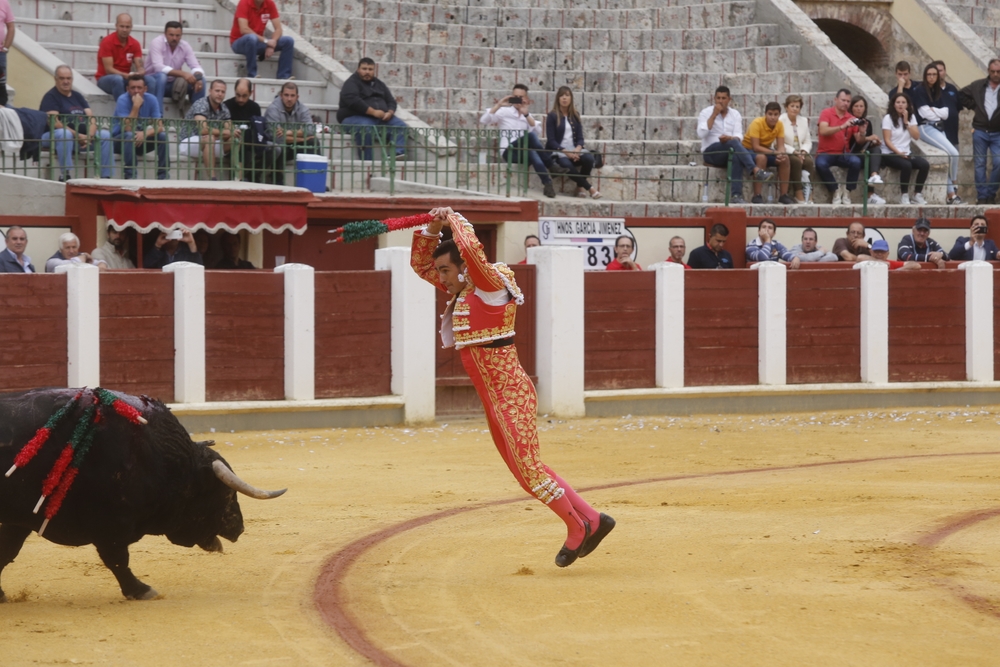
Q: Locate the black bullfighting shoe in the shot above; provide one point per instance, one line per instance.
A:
(567, 556)
(606, 526)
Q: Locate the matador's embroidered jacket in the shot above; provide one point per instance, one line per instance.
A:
(477, 314)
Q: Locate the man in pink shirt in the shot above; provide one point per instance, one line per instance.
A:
(6, 40)
(836, 127)
(168, 54)
(247, 36)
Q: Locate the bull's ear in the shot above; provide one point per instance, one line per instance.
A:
(206, 443)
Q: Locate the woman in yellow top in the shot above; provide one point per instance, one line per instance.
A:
(766, 136)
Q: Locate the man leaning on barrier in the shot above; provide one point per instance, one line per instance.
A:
(140, 128)
(366, 102)
(713, 254)
(66, 138)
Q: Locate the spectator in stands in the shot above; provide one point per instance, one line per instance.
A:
(530, 241)
(766, 136)
(854, 247)
(903, 82)
(712, 255)
(836, 127)
(880, 253)
(291, 123)
(809, 251)
(981, 95)
(7, 29)
(211, 132)
(68, 137)
(798, 145)
(564, 137)
(867, 140)
(721, 131)
(950, 101)
(919, 247)
(120, 55)
(13, 259)
(932, 108)
(366, 102)
(899, 127)
(69, 253)
(519, 131)
(114, 252)
(975, 245)
(140, 129)
(765, 248)
(262, 160)
(176, 246)
(231, 254)
(168, 54)
(677, 250)
(624, 247)
(247, 37)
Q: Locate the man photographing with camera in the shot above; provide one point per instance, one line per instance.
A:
(520, 131)
(976, 245)
(836, 127)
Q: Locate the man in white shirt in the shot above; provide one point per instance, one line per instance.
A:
(168, 54)
(520, 131)
(721, 130)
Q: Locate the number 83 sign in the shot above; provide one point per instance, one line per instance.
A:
(596, 236)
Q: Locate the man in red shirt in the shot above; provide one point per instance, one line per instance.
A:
(247, 37)
(623, 256)
(836, 127)
(677, 250)
(118, 56)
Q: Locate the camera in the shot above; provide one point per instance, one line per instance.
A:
(174, 235)
(979, 229)
(516, 99)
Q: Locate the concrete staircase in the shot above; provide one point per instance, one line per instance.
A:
(983, 16)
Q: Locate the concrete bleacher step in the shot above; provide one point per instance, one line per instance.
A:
(203, 40)
(145, 13)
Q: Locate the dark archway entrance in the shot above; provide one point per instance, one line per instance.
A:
(863, 48)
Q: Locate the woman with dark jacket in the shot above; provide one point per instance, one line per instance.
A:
(564, 137)
(867, 140)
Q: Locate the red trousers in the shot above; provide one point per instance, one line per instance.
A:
(511, 405)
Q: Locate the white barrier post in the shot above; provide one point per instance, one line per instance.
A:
(874, 321)
(669, 324)
(771, 322)
(300, 331)
(83, 324)
(413, 336)
(189, 331)
(978, 320)
(559, 329)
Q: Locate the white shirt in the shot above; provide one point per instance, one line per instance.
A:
(509, 118)
(731, 124)
(978, 249)
(899, 135)
(990, 100)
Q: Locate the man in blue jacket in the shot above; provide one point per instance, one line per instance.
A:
(13, 259)
(976, 245)
(137, 132)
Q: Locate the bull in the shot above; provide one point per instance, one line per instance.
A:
(135, 480)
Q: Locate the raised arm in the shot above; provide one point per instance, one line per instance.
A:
(484, 275)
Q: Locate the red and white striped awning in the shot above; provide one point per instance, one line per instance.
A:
(147, 216)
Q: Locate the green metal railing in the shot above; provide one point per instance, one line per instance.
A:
(79, 147)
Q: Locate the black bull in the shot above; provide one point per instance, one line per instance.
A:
(136, 480)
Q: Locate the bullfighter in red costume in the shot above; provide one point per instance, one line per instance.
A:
(479, 322)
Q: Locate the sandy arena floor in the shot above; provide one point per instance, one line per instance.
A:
(827, 539)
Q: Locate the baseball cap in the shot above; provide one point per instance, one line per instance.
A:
(880, 244)
(922, 223)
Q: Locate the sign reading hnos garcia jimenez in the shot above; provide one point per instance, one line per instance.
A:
(595, 235)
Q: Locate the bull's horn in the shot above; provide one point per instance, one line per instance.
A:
(229, 478)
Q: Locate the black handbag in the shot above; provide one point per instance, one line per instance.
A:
(598, 159)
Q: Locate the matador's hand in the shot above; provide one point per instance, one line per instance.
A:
(441, 215)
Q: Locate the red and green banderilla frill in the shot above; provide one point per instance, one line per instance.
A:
(353, 232)
(64, 471)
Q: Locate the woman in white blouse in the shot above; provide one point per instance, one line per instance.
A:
(899, 128)
(798, 144)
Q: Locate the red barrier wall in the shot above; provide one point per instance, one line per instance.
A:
(720, 327)
(137, 332)
(33, 336)
(353, 319)
(244, 336)
(926, 326)
(619, 325)
(823, 327)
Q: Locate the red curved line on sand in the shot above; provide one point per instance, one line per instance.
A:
(330, 597)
